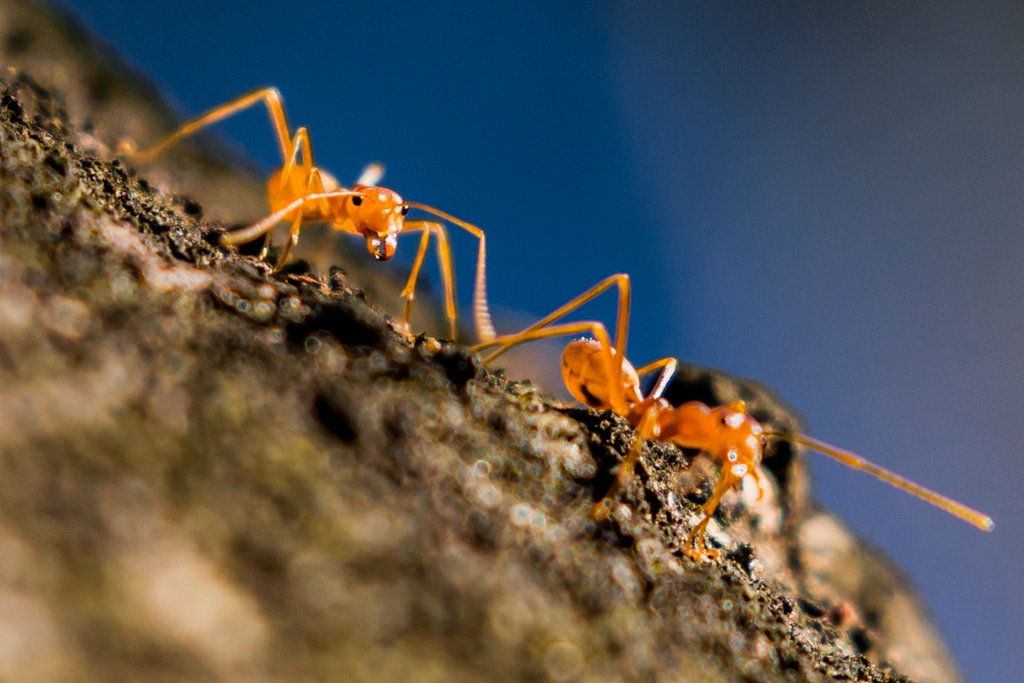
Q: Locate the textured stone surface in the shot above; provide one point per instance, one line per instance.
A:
(213, 473)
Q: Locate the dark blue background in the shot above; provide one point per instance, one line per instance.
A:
(825, 197)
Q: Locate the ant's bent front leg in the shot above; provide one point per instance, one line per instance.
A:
(444, 258)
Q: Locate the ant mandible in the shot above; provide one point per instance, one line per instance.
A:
(301, 192)
(598, 375)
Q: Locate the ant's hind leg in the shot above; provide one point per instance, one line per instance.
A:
(270, 96)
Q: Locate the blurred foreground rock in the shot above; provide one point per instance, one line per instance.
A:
(208, 472)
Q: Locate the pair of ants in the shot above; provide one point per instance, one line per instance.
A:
(595, 370)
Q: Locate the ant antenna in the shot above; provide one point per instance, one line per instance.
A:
(969, 515)
(481, 311)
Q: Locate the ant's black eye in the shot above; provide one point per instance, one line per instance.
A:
(405, 209)
(357, 200)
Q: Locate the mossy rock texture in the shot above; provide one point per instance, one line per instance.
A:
(213, 472)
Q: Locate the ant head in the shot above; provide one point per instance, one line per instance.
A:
(378, 214)
(586, 376)
(740, 438)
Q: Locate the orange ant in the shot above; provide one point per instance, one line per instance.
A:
(301, 192)
(598, 374)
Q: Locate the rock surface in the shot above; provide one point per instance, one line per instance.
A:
(214, 473)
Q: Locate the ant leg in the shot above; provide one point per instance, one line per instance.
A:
(613, 356)
(444, 257)
(314, 188)
(621, 317)
(261, 227)
(508, 341)
(481, 309)
(759, 480)
(627, 467)
(293, 239)
(693, 546)
(668, 366)
(300, 144)
(270, 96)
(266, 245)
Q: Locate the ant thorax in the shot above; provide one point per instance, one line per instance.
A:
(740, 440)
